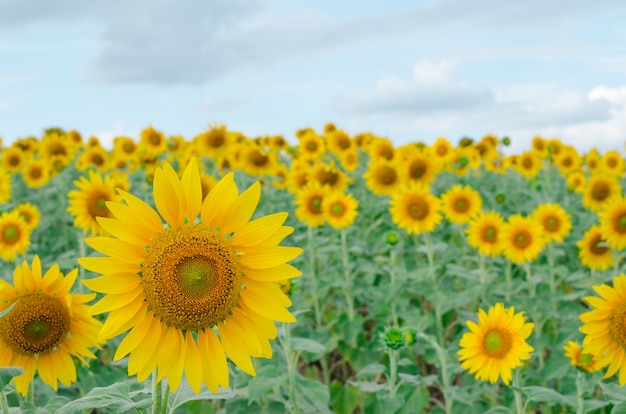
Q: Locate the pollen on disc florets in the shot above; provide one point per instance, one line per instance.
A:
(36, 324)
(191, 277)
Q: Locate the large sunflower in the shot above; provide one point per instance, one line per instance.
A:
(14, 235)
(604, 327)
(413, 208)
(208, 271)
(89, 201)
(599, 190)
(522, 239)
(484, 233)
(593, 251)
(496, 344)
(46, 325)
(461, 203)
(613, 222)
(555, 221)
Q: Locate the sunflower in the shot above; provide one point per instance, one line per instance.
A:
(592, 161)
(309, 204)
(280, 174)
(89, 201)
(381, 149)
(13, 159)
(484, 233)
(540, 147)
(464, 159)
(14, 235)
(604, 327)
(36, 173)
(55, 145)
(442, 150)
(612, 163)
(599, 190)
(579, 358)
(30, 214)
(382, 177)
(613, 222)
(152, 141)
(528, 164)
(125, 147)
(329, 176)
(576, 181)
(461, 203)
(496, 344)
(208, 271)
(5, 186)
(419, 167)
(214, 142)
(555, 221)
(46, 325)
(522, 239)
(92, 156)
(338, 141)
(298, 176)
(256, 161)
(554, 147)
(311, 145)
(593, 250)
(349, 159)
(568, 161)
(340, 209)
(413, 208)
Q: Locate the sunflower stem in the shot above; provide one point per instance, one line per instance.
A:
(347, 285)
(433, 276)
(529, 278)
(509, 279)
(580, 405)
(30, 395)
(313, 278)
(157, 396)
(291, 367)
(393, 371)
(552, 278)
(519, 403)
(392, 278)
(4, 403)
(166, 397)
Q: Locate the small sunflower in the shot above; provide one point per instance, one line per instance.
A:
(13, 159)
(612, 163)
(36, 173)
(604, 327)
(256, 161)
(311, 145)
(599, 190)
(419, 168)
(30, 214)
(593, 250)
(528, 164)
(349, 159)
(539, 146)
(442, 150)
(413, 208)
(309, 204)
(381, 149)
(592, 161)
(46, 326)
(338, 141)
(329, 176)
(555, 221)
(209, 271)
(576, 181)
(152, 141)
(214, 142)
(340, 209)
(579, 358)
(92, 156)
(382, 177)
(568, 161)
(484, 233)
(14, 235)
(522, 239)
(613, 222)
(461, 203)
(496, 344)
(125, 147)
(89, 201)
(280, 175)
(5, 185)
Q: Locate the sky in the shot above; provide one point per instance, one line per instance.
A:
(406, 70)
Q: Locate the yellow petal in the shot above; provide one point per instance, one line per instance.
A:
(258, 230)
(193, 364)
(219, 200)
(215, 354)
(168, 194)
(118, 249)
(124, 231)
(272, 274)
(269, 310)
(114, 283)
(107, 265)
(141, 212)
(192, 190)
(137, 335)
(242, 209)
(264, 257)
(111, 302)
(235, 349)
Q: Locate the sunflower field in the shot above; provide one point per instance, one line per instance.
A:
(334, 273)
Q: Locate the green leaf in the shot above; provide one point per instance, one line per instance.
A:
(266, 380)
(613, 392)
(308, 345)
(371, 370)
(499, 410)
(367, 386)
(185, 394)
(313, 396)
(343, 399)
(541, 394)
(619, 408)
(7, 374)
(114, 398)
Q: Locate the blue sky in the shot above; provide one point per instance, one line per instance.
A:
(407, 70)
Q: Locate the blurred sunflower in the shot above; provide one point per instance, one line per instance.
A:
(579, 358)
(5, 185)
(95, 156)
(413, 208)
(461, 203)
(14, 235)
(442, 150)
(36, 173)
(593, 250)
(381, 149)
(613, 222)
(338, 141)
(340, 209)
(256, 161)
(604, 327)
(576, 181)
(183, 283)
(612, 163)
(298, 176)
(599, 190)
(496, 344)
(13, 159)
(55, 145)
(522, 239)
(152, 141)
(484, 233)
(214, 142)
(568, 161)
(311, 145)
(329, 176)
(419, 167)
(349, 159)
(125, 147)
(90, 201)
(554, 220)
(539, 147)
(592, 161)
(280, 175)
(463, 160)
(309, 204)
(382, 177)
(45, 326)
(30, 214)
(554, 147)
(528, 164)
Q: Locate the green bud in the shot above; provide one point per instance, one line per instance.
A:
(393, 338)
(392, 238)
(410, 336)
(506, 141)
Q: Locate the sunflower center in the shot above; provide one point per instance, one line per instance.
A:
(386, 175)
(490, 234)
(36, 324)
(96, 205)
(386, 153)
(617, 324)
(14, 161)
(567, 162)
(463, 161)
(129, 148)
(586, 359)
(311, 146)
(96, 159)
(442, 150)
(522, 239)
(26, 217)
(461, 206)
(612, 162)
(597, 247)
(328, 177)
(258, 159)
(500, 198)
(192, 277)
(337, 209)
(216, 140)
(527, 163)
(155, 139)
(35, 173)
(497, 343)
(418, 208)
(552, 224)
(600, 191)
(10, 234)
(621, 224)
(417, 170)
(316, 205)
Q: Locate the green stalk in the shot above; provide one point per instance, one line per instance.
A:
(392, 278)
(4, 403)
(291, 367)
(433, 276)
(312, 269)
(347, 285)
(519, 403)
(509, 279)
(481, 267)
(393, 371)
(157, 394)
(580, 406)
(529, 277)
(166, 397)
